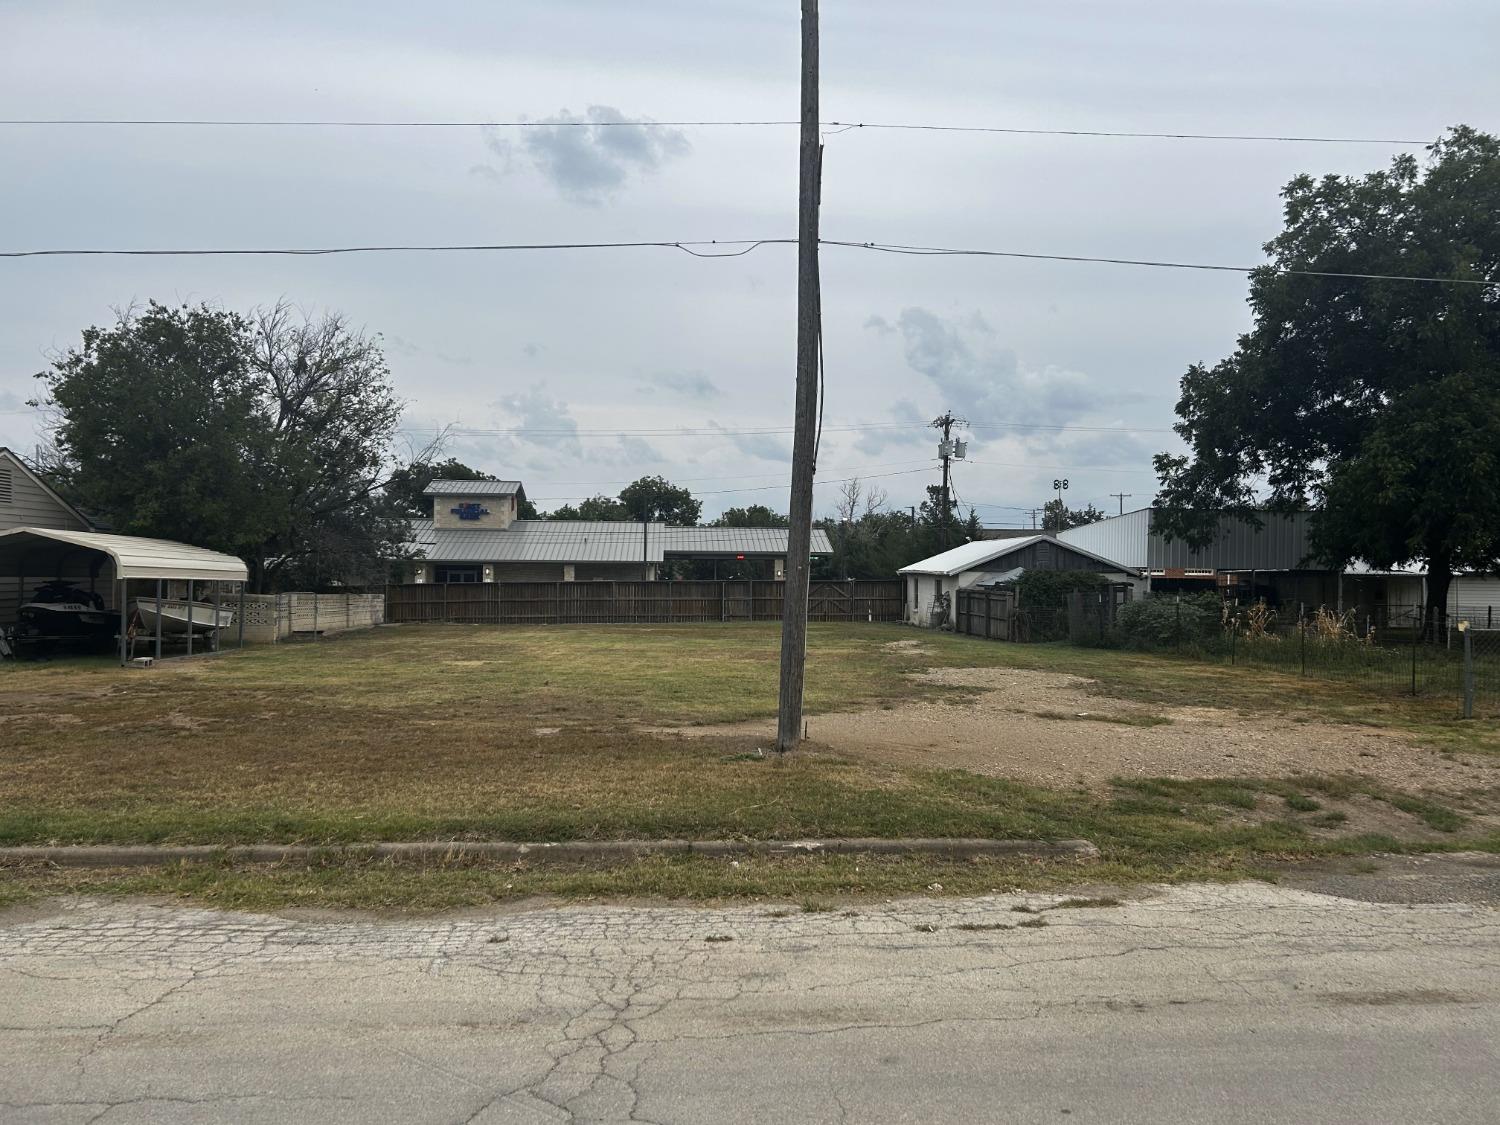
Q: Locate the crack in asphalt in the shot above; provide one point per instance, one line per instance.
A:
(600, 1002)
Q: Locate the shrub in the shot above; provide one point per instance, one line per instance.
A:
(1050, 588)
(1195, 620)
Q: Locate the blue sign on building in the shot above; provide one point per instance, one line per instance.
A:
(470, 510)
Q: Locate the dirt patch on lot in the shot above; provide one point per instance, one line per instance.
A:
(1048, 727)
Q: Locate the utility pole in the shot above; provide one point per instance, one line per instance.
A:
(799, 509)
(948, 451)
(1122, 497)
(1034, 512)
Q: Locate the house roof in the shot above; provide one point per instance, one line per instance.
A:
(737, 541)
(550, 541)
(15, 459)
(981, 552)
(473, 488)
(133, 557)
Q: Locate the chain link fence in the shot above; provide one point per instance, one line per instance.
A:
(1391, 649)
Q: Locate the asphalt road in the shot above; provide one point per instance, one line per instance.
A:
(1244, 1003)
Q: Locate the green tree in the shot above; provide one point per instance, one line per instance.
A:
(1057, 516)
(661, 500)
(1426, 484)
(755, 515)
(162, 427)
(1348, 390)
(404, 490)
(265, 436)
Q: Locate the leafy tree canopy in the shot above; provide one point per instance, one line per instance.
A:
(655, 497)
(264, 436)
(406, 485)
(1355, 396)
(755, 515)
(660, 499)
(1057, 516)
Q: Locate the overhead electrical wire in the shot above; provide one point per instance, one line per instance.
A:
(765, 487)
(718, 431)
(689, 246)
(842, 126)
(744, 246)
(969, 252)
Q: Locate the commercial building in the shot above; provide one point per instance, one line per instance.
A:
(475, 536)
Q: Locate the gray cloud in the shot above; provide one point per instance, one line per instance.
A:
(548, 419)
(588, 157)
(398, 346)
(9, 401)
(907, 436)
(985, 382)
(761, 447)
(687, 384)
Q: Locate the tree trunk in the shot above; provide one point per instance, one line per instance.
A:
(1439, 579)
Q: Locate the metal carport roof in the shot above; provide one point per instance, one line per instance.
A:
(133, 557)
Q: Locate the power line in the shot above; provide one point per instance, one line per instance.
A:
(744, 246)
(690, 247)
(845, 126)
(766, 487)
(926, 461)
(1058, 468)
(944, 251)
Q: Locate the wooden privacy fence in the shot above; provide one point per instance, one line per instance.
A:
(607, 603)
(275, 617)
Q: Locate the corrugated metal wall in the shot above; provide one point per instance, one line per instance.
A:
(1121, 538)
(1280, 543)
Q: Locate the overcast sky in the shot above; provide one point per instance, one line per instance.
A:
(574, 343)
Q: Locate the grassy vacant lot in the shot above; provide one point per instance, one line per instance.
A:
(540, 734)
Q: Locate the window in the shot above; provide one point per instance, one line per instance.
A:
(458, 574)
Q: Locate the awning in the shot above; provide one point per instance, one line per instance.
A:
(41, 549)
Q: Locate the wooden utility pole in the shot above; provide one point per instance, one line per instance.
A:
(1122, 497)
(799, 535)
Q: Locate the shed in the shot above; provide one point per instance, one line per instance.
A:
(989, 561)
(109, 565)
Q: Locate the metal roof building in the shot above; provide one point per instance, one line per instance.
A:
(986, 562)
(476, 535)
(1036, 551)
(560, 541)
(474, 488)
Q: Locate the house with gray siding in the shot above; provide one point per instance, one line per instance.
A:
(26, 500)
(475, 536)
(986, 562)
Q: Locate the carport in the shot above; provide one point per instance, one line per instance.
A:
(48, 553)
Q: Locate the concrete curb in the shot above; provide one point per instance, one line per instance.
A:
(573, 851)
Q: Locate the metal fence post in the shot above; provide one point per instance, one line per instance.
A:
(1177, 632)
(1468, 670)
(190, 617)
(1233, 639)
(241, 643)
(315, 611)
(1302, 642)
(1416, 640)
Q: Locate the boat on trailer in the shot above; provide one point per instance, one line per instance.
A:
(63, 616)
(179, 616)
